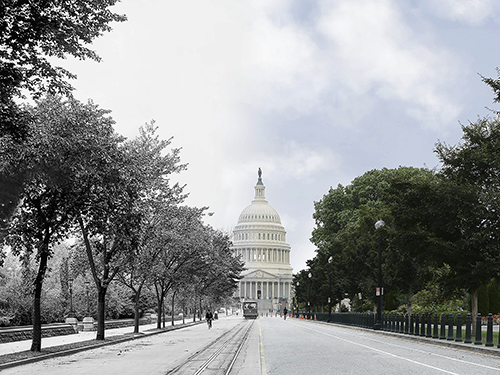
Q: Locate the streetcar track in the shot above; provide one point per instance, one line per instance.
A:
(222, 342)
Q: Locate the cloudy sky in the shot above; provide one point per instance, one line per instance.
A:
(314, 92)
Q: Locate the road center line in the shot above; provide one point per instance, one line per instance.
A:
(263, 369)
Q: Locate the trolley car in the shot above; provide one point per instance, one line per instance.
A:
(250, 309)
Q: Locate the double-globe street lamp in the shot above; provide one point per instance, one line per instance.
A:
(378, 324)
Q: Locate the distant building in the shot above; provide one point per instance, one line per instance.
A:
(259, 239)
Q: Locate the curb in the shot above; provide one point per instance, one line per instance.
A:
(96, 345)
(439, 342)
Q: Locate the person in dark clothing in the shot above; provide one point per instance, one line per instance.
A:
(209, 317)
(285, 311)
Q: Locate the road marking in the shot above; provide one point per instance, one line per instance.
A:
(381, 351)
(438, 355)
(263, 369)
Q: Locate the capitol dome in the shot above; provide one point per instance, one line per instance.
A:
(259, 239)
(259, 211)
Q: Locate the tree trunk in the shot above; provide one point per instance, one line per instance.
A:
(473, 298)
(101, 313)
(36, 344)
(160, 310)
(408, 300)
(164, 312)
(173, 305)
(136, 310)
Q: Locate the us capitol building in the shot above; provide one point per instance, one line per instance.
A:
(260, 240)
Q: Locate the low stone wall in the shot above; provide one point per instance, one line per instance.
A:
(10, 334)
(25, 333)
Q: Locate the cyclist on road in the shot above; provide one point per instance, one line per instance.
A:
(285, 311)
(209, 317)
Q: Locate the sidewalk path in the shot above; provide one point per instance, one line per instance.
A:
(47, 342)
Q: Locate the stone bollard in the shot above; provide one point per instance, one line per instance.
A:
(429, 325)
(435, 331)
(489, 331)
(443, 327)
(450, 327)
(73, 321)
(88, 323)
(468, 328)
(458, 338)
(479, 333)
(417, 325)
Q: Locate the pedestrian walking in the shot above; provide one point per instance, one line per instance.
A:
(285, 311)
(209, 317)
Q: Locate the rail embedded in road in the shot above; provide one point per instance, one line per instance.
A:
(220, 354)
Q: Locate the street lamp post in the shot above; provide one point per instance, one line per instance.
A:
(330, 295)
(296, 299)
(71, 312)
(378, 325)
(309, 298)
(87, 284)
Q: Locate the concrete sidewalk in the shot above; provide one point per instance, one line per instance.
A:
(47, 342)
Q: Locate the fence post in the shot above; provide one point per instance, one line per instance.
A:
(479, 333)
(398, 323)
(429, 325)
(417, 325)
(407, 320)
(450, 327)
(489, 331)
(459, 328)
(443, 327)
(422, 328)
(435, 332)
(411, 324)
(468, 326)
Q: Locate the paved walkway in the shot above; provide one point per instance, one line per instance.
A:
(19, 346)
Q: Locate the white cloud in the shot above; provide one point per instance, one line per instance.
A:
(379, 53)
(472, 12)
(354, 49)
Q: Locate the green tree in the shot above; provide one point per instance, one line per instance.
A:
(474, 164)
(421, 213)
(57, 156)
(494, 296)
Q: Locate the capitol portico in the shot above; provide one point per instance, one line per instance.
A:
(259, 239)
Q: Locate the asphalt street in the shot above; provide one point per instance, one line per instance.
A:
(274, 347)
(294, 347)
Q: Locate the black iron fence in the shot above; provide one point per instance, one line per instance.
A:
(452, 327)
